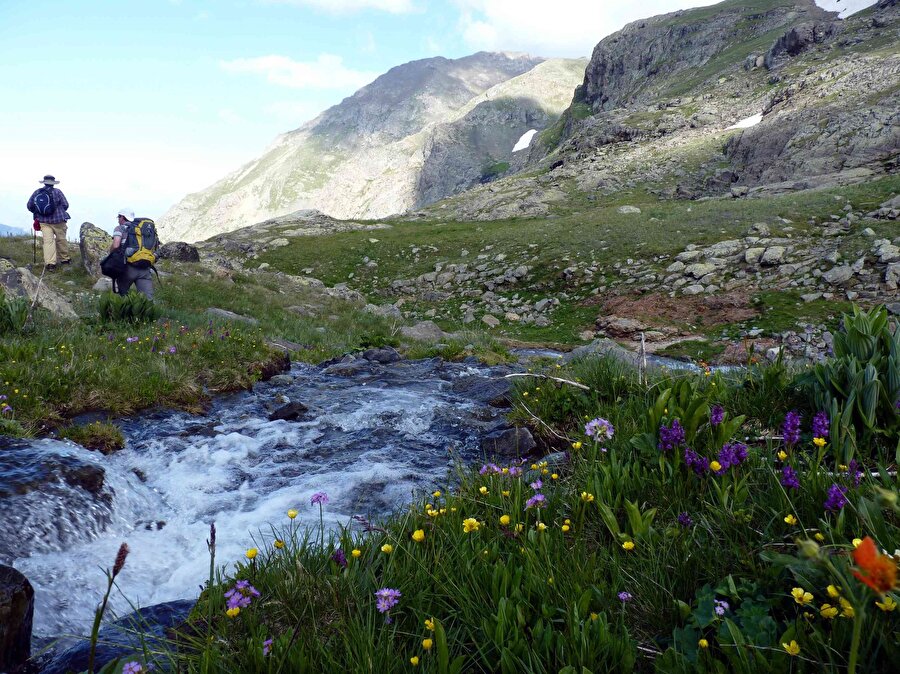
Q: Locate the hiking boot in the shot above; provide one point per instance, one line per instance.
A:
(66, 262)
(51, 267)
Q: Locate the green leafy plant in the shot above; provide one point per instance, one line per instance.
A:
(860, 386)
(131, 308)
(13, 314)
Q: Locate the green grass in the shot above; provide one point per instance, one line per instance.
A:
(693, 350)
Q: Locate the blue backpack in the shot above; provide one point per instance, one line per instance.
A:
(45, 202)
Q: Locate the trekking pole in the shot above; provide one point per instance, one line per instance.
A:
(33, 247)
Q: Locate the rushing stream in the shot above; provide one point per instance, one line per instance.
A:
(373, 435)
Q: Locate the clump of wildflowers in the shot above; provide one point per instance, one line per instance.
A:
(625, 597)
(820, 425)
(671, 436)
(699, 464)
(836, 498)
(536, 501)
(319, 498)
(721, 606)
(732, 454)
(267, 647)
(684, 519)
(717, 415)
(240, 595)
(132, 668)
(387, 599)
(599, 429)
(791, 428)
(339, 558)
(789, 478)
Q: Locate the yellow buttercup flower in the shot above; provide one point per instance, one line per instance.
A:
(232, 612)
(554, 476)
(483, 490)
(504, 520)
(534, 466)
(833, 591)
(628, 545)
(576, 445)
(414, 661)
(887, 605)
(387, 548)
(587, 497)
(857, 542)
(427, 644)
(356, 552)
(292, 513)
(846, 608)
(505, 492)
(594, 616)
(429, 624)
(470, 524)
(819, 537)
(790, 519)
(843, 467)
(541, 526)
(782, 455)
(278, 544)
(828, 611)
(801, 596)
(544, 471)
(251, 553)
(703, 643)
(565, 528)
(520, 526)
(418, 535)
(792, 648)
(437, 494)
(715, 466)
(819, 442)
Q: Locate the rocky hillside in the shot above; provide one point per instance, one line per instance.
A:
(418, 133)
(817, 98)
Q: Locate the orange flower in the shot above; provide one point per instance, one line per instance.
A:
(879, 571)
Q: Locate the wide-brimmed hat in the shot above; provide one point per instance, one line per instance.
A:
(50, 180)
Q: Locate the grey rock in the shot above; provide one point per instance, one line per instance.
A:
(384, 310)
(179, 251)
(490, 321)
(753, 255)
(811, 297)
(103, 284)
(425, 331)
(892, 275)
(94, 244)
(838, 275)
(759, 229)
(676, 266)
(19, 282)
(700, 269)
(723, 249)
(224, 314)
(16, 615)
(383, 355)
(695, 289)
(773, 256)
(628, 209)
(487, 390)
(510, 442)
(293, 411)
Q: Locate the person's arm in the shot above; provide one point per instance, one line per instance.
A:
(65, 202)
(117, 239)
(30, 205)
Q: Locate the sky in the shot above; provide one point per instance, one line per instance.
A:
(139, 102)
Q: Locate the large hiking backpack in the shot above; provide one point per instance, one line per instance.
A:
(141, 243)
(45, 202)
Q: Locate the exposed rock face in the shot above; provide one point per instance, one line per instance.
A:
(16, 614)
(94, 244)
(798, 39)
(508, 442)
(632, 63)
(420, 132)
(22, 283)
(179, 251)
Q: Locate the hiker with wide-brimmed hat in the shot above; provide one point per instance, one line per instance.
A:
(49, 205)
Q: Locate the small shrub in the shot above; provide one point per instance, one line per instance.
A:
(102, 437)
(131, 308)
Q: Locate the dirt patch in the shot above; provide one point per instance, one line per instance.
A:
(690, 310)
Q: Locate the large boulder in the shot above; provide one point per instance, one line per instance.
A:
(425, 331)
(179, 251)
(508, 442)
(19, 282)
(94, 244)
(16, 614)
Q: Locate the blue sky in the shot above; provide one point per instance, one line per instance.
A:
(138, 102)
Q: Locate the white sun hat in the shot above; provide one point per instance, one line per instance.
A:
(127, 213)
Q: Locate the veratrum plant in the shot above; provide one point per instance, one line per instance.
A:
(860, 385)
(132, 308)
(13, 314)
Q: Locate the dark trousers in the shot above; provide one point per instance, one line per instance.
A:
(139, 278)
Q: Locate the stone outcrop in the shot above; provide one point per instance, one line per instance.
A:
(19, 282)
(94, 244)
(16, 614)
(179, 251)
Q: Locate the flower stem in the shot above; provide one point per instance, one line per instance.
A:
(854, 645)
(95, 630)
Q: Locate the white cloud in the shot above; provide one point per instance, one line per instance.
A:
(347, 6)
(560, 28)
(326, 72)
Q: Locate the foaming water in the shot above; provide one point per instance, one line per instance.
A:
(369, 441)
